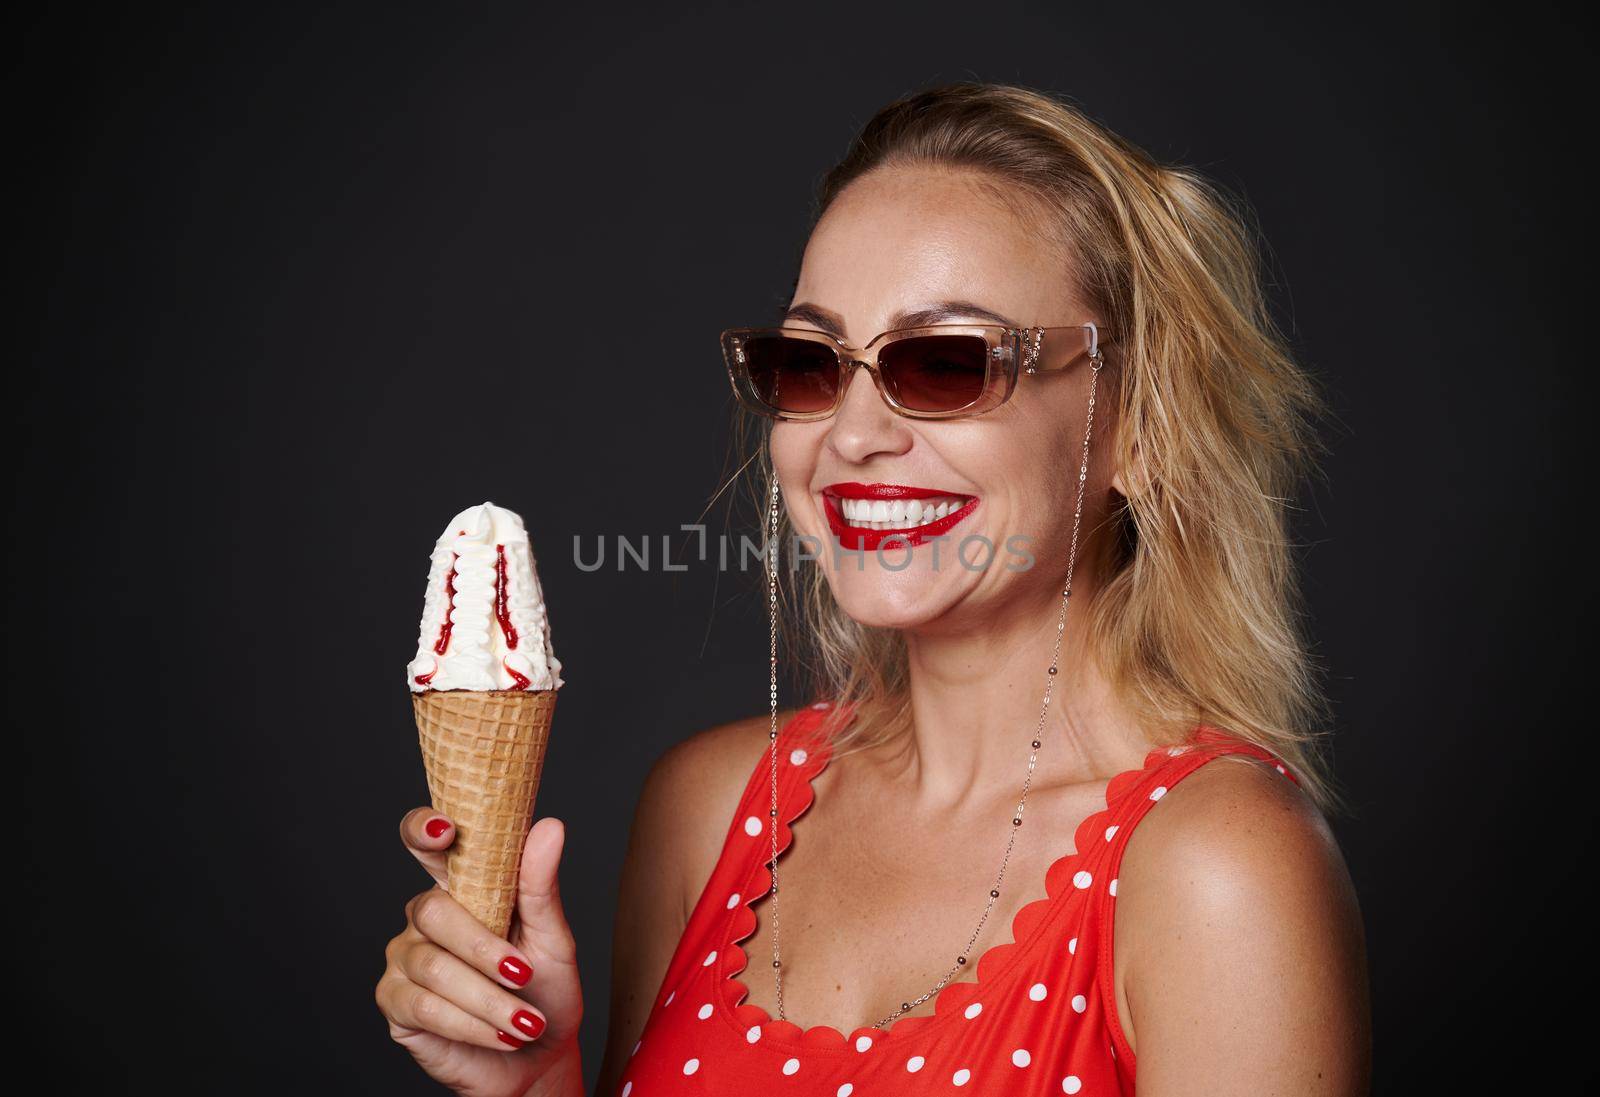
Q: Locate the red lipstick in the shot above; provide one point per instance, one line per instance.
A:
(860, 538)
(849, 489)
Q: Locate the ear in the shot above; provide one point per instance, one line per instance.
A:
(1137, 479)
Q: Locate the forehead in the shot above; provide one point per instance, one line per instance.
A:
(900, 238)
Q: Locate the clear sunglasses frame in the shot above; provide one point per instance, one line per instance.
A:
(1011, 351)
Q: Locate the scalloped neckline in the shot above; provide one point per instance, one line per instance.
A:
(731, 991)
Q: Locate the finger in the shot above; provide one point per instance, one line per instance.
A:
(454, 980)
(411, 1009)
(447, 923)
(543, 921)
(428, 835)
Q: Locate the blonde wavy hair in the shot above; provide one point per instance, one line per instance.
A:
(1198, 618)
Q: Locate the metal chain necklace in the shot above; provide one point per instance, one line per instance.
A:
(1096, 361)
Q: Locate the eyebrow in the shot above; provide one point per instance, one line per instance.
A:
(936, 313)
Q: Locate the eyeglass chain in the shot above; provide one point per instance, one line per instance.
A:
(1096, 360)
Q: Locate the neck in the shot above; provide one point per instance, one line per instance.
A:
(976, 698)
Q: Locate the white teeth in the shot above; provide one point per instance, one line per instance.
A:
(897, 513)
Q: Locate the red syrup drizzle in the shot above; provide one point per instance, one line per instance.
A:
(502, 606)
(502, 612)
(450, 608)
(443, 642)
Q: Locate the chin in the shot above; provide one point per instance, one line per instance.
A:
(881, 599)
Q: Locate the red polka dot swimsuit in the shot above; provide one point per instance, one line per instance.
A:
(1040, 1019)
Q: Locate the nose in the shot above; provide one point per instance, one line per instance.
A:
(865, 426)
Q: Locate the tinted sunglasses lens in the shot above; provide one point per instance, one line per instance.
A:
(793, 375)
(936, 372)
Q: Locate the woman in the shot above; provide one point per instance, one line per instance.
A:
(1079, 373)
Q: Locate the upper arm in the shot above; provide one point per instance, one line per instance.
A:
(1240, 957)
(678, 830)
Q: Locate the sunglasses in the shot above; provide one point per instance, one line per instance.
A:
(941, 371)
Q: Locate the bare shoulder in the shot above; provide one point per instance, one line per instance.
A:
(1242, 820)
(1237, 846)
(1238, 937)
(692, 790)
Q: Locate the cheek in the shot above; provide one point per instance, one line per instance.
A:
(1006, 463)
(1031, 473)
(787, 444)
(794, 450)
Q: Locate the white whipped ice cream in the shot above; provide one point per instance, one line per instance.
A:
(484, 624)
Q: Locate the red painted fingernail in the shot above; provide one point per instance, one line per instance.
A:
(436, 827)
(515, 970)
(528, 1023)
(507, 1038)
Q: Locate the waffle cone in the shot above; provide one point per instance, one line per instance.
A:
(484, 752)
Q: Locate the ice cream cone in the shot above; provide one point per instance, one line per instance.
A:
(484, 751)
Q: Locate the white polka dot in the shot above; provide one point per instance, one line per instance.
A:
(1175, 751)
(1037, 992)
(1159, 792)
(1079, 1003)
(1112, 888)
(733, 900)
(710, 959)
(914, 1063)
(1072, 946)
(973, 1010)
(1082, 879)
(627, 1089)
(844, 1091)
(671, 994)
(1111, 831)
(752, 826)
(635, 1050)
(1281, 770)
(752, 1034)
(705, 1011)
(797, 757)
(691, 1066)
(863, 1043)
(1020, 1057)
(961, 1077)
(820, 705)
(791, 1066)
(1071, 1084)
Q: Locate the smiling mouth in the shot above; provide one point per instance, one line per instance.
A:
(864, 516)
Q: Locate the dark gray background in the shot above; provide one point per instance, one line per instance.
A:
(300, 285)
